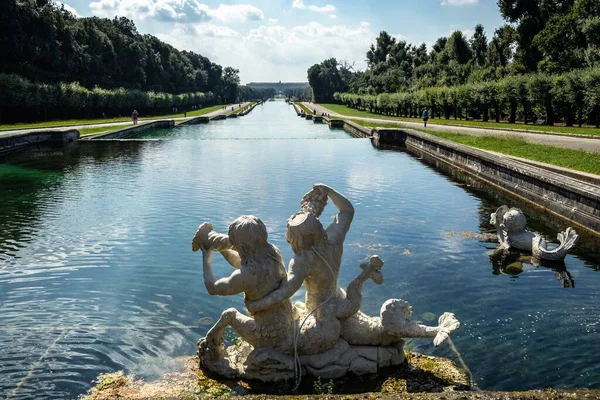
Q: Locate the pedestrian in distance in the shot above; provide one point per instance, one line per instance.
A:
(134, 116)
(425, 116)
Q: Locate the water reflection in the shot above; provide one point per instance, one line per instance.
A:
(101, 276)
(513, 263)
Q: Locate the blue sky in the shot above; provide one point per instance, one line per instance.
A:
(272, 40)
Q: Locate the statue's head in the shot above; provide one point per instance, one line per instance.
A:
(394, 313)
(246, 234)
(514, 221)
(496, 217)
(304, 230)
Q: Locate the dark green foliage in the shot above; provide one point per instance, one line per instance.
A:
(479, 46)
(247, 93)
(542, 66)
(23, 100)
(573, 97)
(300, 94)
(50, 47)
(325, 79)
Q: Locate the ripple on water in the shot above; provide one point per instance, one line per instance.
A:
(96, 272)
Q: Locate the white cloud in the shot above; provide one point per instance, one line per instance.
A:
(324, 9)
(459, 2)
(274, 52)
(332, 16)
(176, 10)
(68, 8)
(273, 21)
(238, 12)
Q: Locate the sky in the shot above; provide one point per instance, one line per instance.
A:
(278, 40)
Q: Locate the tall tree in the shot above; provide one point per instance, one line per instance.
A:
(530, 17)
(325, 79)
(231, 80)
(457, 47)
(479, 45)
(379, 52)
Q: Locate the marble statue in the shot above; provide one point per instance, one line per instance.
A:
(326, 335)
(510, 225)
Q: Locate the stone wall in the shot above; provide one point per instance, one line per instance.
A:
(132, 130)
(573, 199)
(10, 142)
(194, 121)
(357, 130)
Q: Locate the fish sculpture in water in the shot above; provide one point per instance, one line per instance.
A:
(510, 224)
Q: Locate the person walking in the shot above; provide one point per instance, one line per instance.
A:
(134, 116)
(425, 116)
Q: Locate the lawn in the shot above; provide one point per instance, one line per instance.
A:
(302, 106)
(239, 110)
(574, 159)
(103, 129)
(351, 112)
(75, 122)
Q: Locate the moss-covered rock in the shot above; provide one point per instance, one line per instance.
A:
(425, 378)
(425, 373)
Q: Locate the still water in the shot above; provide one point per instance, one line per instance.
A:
(97, 273)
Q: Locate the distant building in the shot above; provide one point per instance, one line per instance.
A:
(279, 87)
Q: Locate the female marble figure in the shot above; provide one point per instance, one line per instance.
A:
(316, 263)
(260, 269)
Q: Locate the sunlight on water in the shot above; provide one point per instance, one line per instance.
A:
(97, 272)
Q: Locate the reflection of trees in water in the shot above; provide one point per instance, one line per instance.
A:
(27, 177)
(511, 262)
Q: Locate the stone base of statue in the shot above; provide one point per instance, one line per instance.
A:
(242, 361)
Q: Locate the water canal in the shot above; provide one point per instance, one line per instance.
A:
(97, 273)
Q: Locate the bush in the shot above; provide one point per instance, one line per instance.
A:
(568, 97)
(23, 100)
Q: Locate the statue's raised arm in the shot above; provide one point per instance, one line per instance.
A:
(338, 229)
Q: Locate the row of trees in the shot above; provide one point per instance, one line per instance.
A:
(300, 94)
(44, 42)
(50, 48)
(23, 100)
(541, 36)
(573, 97)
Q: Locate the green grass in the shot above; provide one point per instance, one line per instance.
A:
(574, 159)
(351, 112)
(239, 110)
(74, 122)
(302, 106)
(103, 129)
(368, 124)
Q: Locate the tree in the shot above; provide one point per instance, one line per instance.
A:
(479, 46)
(379, 52)
(530, 17)
(325, 80)
(231, 80)
(457, 48)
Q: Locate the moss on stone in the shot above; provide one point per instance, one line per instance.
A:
(425, 378)
(425, 373)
